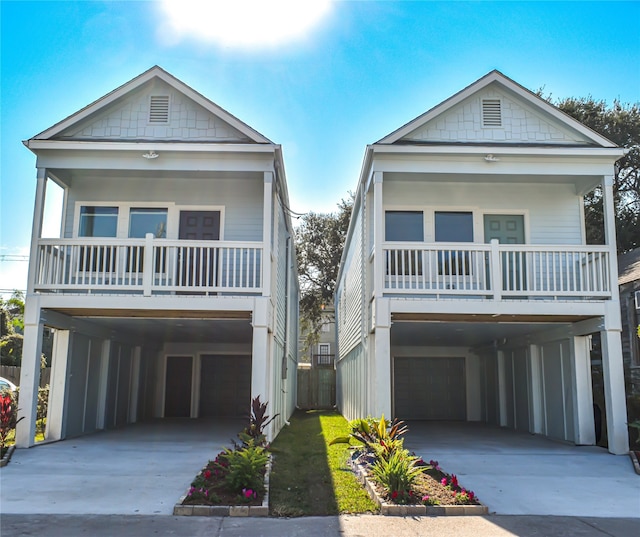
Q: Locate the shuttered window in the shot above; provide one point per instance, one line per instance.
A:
(159, 109)
(491, 113)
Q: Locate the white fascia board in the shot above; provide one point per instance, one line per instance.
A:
(498, 308)
(613, 152)
(35, 145)
(104, 304)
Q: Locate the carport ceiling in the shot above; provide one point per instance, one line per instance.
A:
(420, 333)
(179, 330)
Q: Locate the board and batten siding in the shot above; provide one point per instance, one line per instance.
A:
(554, 214)
(128, 119)
(241, 199)
(520, 123)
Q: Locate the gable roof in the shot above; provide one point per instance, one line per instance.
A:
(155, 72)
(629, 267)
(496, 77)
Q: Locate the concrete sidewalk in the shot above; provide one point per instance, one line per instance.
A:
(343, 526)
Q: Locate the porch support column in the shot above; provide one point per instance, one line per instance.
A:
(135, 384)
(614, 392)
(536, 412)
(610, 239)
(101, 419)
(36, 228)
(261, 353)
(267, 222)
(58, 385)
(583, 424)
(378, 235)
(29, 373)
(502, 390)
(381, 396)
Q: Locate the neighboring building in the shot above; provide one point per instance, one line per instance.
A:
(172, 289)
(322, 353)
(629, 282)
(467, 290)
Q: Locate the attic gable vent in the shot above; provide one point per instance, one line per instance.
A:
(159, 109)
(491, 113)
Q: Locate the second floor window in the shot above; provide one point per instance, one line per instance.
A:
(98, 221)
(404, 226)
(147, 220)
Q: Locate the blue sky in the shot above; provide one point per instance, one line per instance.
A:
(358, 72)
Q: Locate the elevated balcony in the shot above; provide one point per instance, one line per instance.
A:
(148, 266)
(496, 271)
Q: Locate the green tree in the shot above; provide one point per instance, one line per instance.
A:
(319, 244)
(11, 327)
(620, 123)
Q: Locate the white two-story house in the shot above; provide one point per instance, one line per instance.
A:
(467, 289)
(172, 289)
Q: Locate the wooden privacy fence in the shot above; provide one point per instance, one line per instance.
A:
(12, 373)
(316, 388)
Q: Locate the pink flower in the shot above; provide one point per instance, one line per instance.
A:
(248, 493)
(444, 481)
(394, 494)
(207, 474)
(425, 498)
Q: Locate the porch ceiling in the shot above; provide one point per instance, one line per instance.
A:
(177, 330)
(461, 334)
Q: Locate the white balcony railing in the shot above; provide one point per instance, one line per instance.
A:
(148, 266)
(497, 270)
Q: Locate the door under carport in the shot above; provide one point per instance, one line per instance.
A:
(225, 385)
(429, 388)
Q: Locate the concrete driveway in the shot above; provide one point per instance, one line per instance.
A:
(141, 469)
(521, 474)
(144, 468)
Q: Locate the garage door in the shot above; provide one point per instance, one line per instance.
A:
(429, 388)
(225, 386)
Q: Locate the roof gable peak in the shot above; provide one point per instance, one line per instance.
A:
(518, 93)
(155, 72)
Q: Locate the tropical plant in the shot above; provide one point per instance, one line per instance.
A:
(397, 474)
(245, 468)
(8, 418)
(377, 436)
(253, 434)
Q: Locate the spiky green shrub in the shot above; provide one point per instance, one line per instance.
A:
(397, 473)
(245, 468)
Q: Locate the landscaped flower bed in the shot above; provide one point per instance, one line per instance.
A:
(235, 483)
(400, 482)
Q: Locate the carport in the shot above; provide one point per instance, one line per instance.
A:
(109, 371)
(528, 376)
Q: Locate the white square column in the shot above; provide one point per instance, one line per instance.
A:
(381, 381)
(614, 393)
(29, 374)
(58, 385)
(583, 422)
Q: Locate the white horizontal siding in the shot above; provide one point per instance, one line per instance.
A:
(241, 199)
(350, 292)
(351, 389)
(521, 123)
(552, 210)
(128, 119)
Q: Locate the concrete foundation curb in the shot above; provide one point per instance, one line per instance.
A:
(179, 509)
(7, 456)
(391, 509)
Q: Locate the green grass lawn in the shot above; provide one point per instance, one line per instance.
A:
(308, 476)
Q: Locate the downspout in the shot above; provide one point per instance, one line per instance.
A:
(286, 316)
